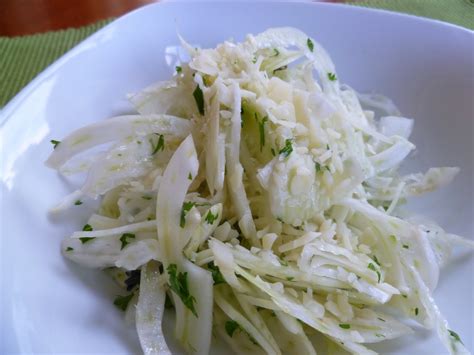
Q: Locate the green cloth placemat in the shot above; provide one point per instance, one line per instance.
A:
(22, 58)
(459, 12)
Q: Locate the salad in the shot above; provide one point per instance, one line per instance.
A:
(260, 197)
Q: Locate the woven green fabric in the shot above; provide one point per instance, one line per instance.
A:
(22, 58)
(459, 12)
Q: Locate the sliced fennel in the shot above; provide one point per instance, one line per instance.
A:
(263, 197)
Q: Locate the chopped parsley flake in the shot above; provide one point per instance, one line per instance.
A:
(276, 51)
(374, 258)
(230, 327)
(87, 228)
(379, 335)
(124, 239)
(373, 268)
(317, 166)
(84, 240)
(210, 218)
(199, 97)
(345, 326)
(178, 69)
(261, 130)
(287, 149)
(216, 274)
(78, 202)
(406, 246)
(332, 76)
(121, 302)
(190, 176)
(160, 145)
(55, 143)
(381, 319)
(184, 210)
(69, 249)
(416, 311)
(179, 285)
(310, 44)
(455, 335)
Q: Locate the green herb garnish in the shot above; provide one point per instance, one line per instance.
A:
(84, 240)
(276, 51)
(121, 302)
(69, 249)
(230, 327)
(160, 145)
(190, 177)
(78, 202)
(184, 210)
(405, 246)
(178, 69)
(179, 285)
(199, 97)
(455, 335)
(345, 326)
(210, 218)
(261, 130)
(332, 76)
(310, 44)
(376, 260)
(287, 149)
(416, 311)
(124, 239)
(55, 143)
(87, 228)
(216, 274)
(373, 268)
(317, 166)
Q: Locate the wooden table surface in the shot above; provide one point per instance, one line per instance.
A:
(24, 17)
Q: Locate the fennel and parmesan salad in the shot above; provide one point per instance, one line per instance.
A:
(261, 198)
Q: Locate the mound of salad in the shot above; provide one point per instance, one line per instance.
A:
(261, 198)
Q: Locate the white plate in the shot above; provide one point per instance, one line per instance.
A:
(51, 306)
